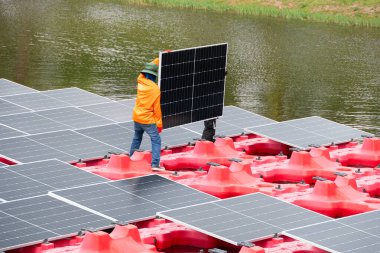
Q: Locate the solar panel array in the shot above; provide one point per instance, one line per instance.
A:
(134, 199)
(244, 219)
(11, 88)
(30, 221)
(192, 84)
(308, 132)
(37, 178)
(356, 234)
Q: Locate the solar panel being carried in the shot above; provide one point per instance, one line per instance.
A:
(309, 132)
(355, 234)
(243, 219)
(11, 88)
(30, 221)
(192, 83)
(134, 199)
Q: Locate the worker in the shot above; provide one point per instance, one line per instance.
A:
(147, 112)
(209, 130)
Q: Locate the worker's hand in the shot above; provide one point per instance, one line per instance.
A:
(167, 51)
(159, 129)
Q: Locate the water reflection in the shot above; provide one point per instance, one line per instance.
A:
(281, 69)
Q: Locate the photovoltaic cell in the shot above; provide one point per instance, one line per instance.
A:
(26, 150)
(111, 110)
(134, 199)
(16, 233)
(32, 123)
(11, 88)
(36, 101)
(192, 83)
(354, 234)
(48, 214)
(177, 136)
(246, 218)
(76, 96)
(74, 144)
(8, 108)
(75, 117)
(7, 132)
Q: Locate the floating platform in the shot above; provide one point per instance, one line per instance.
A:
(67, 183)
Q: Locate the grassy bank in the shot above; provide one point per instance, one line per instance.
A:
(349, 12)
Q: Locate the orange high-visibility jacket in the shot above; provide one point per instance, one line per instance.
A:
(147, 108)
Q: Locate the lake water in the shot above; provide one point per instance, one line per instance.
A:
(278, 68)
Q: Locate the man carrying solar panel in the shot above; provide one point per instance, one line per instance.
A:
(147, 112)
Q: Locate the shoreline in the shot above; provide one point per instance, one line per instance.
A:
(299, 12)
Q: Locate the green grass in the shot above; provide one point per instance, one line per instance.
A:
(347, 12)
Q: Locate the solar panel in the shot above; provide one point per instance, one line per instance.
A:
(56, 174)
(8, 108)
(75, 144)
(54, 218)
(76, 96)
(11, 88)
(290, 135)
(192, 83)
(307, 132)
(22, 149)
(32, 123)
(233, 122)
(114, 135)
(16, 233)
(36, 101)
(128, 102)
(111, 110)
(7, 132)
(327, 128)
(75, 117)
(358, 233)
(177, 136)
(15, 186)
(241, 118)
(134, 199)
(246, 218)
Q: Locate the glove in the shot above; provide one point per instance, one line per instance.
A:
(159, 129)
(167, 51)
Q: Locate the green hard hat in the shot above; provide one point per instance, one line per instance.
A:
(150, 68)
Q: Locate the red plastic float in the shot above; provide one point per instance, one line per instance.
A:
(121, 240)
(367, 154)
(224, 182)
(304, 166)
(123, 166)
(260, 146)
(204, 151)
(338, 199)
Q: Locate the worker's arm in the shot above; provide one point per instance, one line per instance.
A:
(157, 112)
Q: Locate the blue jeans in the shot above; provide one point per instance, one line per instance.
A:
(151, 130)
